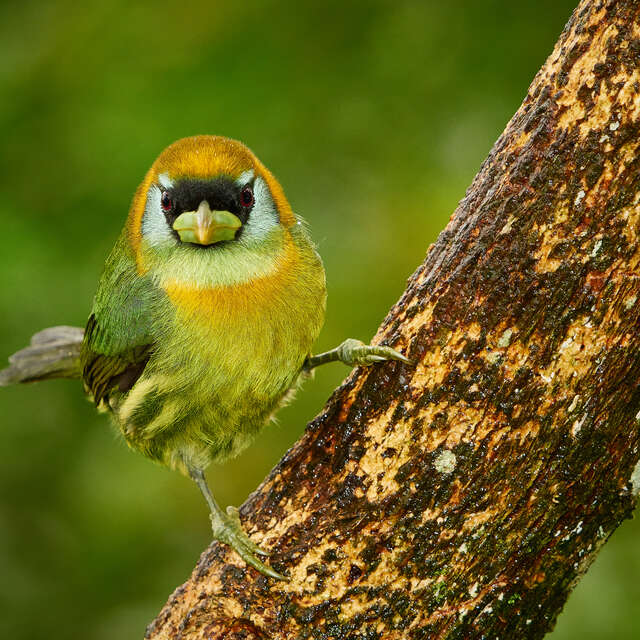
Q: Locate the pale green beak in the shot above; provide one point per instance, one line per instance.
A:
(205, 226)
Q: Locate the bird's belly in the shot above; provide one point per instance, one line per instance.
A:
(193, 406)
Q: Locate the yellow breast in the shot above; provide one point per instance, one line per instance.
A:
(229, 303)
(254, 334)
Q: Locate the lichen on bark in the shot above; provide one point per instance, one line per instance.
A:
(465, 496)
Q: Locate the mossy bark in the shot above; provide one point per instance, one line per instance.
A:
(465, 496)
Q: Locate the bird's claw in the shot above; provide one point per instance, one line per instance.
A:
(354, 352)
(234, 517)
(230, 531)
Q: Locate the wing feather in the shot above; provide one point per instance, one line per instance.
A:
(119, 337)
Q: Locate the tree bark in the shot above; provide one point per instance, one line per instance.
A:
(464, 497)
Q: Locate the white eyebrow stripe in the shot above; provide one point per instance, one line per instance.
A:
(245, 177)
(165, 181)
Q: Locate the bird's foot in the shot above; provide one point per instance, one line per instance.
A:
(354, 352)
(228, 529)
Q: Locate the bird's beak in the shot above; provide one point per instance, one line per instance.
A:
(205, 226)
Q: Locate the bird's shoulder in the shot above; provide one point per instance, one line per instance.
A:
(120, 333)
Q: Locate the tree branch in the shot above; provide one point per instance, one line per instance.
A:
(464, 498)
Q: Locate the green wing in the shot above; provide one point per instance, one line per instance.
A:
(119, 336)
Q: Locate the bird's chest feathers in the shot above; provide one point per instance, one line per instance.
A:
(252, 337)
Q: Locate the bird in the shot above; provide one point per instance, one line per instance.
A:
(204, 318)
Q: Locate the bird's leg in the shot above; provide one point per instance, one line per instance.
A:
(353, 352)
(227, 528)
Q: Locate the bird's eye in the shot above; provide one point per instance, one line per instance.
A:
(246, 197)
(165, 201)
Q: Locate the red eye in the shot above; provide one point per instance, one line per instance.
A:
(246, 197)
(165, 201)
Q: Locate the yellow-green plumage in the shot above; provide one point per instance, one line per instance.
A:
(223, 331)
(222, 361)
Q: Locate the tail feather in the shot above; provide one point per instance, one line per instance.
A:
(53, 353)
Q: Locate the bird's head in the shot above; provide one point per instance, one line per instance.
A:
(208, 210)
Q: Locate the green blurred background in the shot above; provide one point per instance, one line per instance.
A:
(374, 115)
